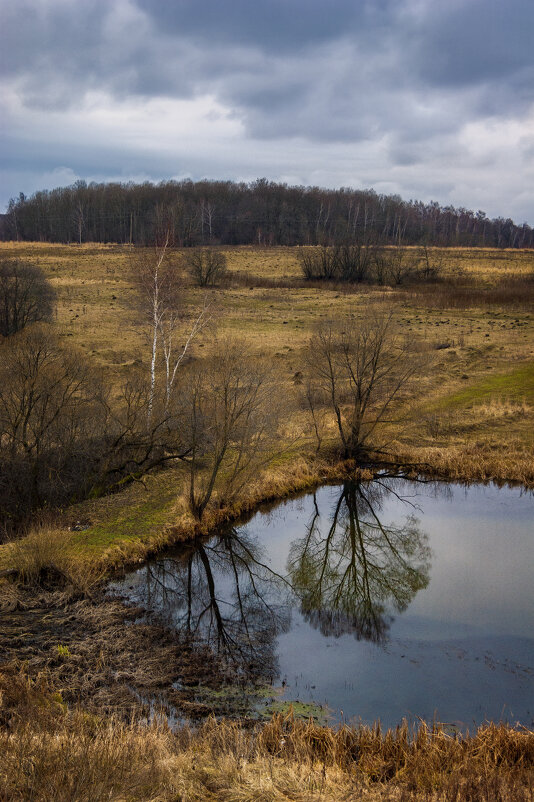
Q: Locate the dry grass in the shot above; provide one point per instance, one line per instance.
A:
(47, 752)
(474, 419)
(44, 558)
(515, 291)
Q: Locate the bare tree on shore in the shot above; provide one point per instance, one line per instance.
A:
(230, 416)
(357, 368)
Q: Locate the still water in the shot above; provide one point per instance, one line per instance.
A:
(387, 599)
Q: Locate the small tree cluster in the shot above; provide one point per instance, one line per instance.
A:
(359, 263)
(206, 266)
(63, 435)
(26, 296)
(219, 412)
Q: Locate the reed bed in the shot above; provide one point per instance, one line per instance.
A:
(473, 463)
(50, 753)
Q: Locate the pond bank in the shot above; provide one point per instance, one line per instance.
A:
(300, 475)
(119, 531)
(94, 654)
(48, 752)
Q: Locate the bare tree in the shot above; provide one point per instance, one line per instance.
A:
(26, 296)
(174, 357)
(355, 261)
(128, 449)
(360, 366)
(230, 418)
(207, 211)
(401, 264)
(319, 263)
(40, 382)
(206, 266)
(432, 262)
(49, 411)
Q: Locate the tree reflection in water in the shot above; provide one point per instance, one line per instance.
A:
(349, 580)
(224, 595)
(352, 578)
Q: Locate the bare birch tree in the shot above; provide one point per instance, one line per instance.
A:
(160, 291)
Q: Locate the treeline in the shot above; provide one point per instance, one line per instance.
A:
(259, 213)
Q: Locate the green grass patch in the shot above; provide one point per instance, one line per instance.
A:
(516, 385)
(299, 710)
(136, 514)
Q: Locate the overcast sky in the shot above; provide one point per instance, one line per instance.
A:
(427, 99)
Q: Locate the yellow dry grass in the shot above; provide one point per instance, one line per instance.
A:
(47, 752)
(473, 417)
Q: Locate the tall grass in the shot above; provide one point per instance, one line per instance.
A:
(43, 559)
(48, 753)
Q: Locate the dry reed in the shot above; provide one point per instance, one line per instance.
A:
(48, 752)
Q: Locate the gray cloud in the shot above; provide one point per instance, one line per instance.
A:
(400, 80)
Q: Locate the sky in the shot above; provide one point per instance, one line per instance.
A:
(426, 99)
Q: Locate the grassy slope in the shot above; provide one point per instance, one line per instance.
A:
(474, 417)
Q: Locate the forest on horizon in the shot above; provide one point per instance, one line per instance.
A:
(262, 212)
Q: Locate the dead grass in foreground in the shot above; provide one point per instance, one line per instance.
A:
(50, 753)
(99, 655)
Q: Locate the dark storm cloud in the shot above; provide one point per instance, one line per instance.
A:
(406, 82)
(336, 70)
(274, 26)
(476, 41)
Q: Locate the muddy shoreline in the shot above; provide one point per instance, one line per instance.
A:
(108, 658)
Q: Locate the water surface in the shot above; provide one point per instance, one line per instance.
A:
(386, 600)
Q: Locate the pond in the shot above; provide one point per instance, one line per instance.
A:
(378, 600)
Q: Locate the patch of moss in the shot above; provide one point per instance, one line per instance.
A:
(299, 710)
(259, 702)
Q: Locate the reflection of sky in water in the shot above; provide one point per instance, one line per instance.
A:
(463, 646)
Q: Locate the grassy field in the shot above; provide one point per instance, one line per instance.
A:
(471, 418)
